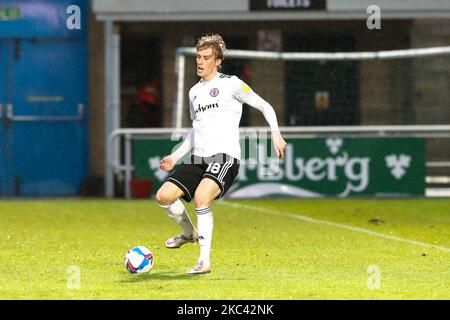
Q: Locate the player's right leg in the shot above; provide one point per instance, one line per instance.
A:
(168, 198)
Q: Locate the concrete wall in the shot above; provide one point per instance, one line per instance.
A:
(431, 85)
(431, 76)
(383, 84)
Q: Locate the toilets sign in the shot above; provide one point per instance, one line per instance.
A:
(284, 5)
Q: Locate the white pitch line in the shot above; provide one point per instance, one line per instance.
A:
(334, 224)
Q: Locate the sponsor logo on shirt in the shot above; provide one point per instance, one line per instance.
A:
(201, 108)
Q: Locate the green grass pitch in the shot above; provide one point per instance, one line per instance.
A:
(351, 249)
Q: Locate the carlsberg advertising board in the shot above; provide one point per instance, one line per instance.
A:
(338, 167)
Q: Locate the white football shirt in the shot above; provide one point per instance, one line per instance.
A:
(216, 109)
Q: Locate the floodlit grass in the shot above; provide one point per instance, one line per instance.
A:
(256, 255)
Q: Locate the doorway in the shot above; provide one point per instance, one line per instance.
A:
(43, 128)
(141, 78)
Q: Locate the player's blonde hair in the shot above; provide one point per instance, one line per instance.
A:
(213, 41)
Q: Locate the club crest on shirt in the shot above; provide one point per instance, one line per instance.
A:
(214, 92)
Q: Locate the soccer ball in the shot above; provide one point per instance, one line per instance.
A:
(139, 260)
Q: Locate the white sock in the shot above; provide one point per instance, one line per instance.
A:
(205, 223)
(177, 212)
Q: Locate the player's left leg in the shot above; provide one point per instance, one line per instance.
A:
(206, 192)
(181, 183)
(168, 198)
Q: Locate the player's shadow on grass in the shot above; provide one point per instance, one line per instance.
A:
(170, 275)
(160, 276)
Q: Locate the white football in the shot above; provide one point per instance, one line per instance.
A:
(139, 260)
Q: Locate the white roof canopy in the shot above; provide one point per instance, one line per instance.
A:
(199, 10)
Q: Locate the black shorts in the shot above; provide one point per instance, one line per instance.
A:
(220, 168)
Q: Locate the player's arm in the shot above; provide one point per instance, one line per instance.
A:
(246, 95)
(169, 162)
